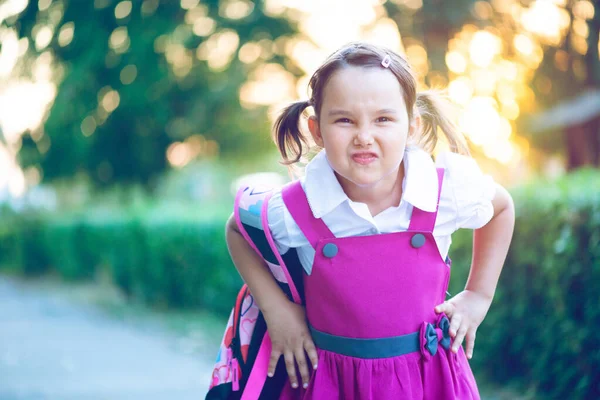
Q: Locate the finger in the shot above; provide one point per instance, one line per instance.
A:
(471, 342)
(310, 349)
(462, 331)
(446, 308)
(290, 367)
(275, 354)
(455, 324)
(303, 367)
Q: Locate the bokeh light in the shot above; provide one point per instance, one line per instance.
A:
(491, 60)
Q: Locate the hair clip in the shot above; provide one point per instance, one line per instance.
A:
(387, 60)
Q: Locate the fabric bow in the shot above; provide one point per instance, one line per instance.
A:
(432, 336)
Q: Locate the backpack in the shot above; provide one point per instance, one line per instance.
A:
(240, 371)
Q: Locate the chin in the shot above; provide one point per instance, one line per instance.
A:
(364, 181)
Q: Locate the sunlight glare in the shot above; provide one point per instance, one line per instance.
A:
(460, 90)
(9, 51)
(333, 23)
(545, 19)
(249, 52)
(43, 37)
(484, 81)
(88, 125)
(484, 47)
(119, 39)
(235, 9)
(456, 62)
(189, 4)
(269, 84)
(219, 49)
(11, 7)
(66, 33)
(386, 33)
(480, 120)
(23, 105)
(123, 9)
(204, 26)
(583, 9)
(110, 101)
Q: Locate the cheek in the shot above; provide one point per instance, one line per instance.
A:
(394, 145)
(335, 138)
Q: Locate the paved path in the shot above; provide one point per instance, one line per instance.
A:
(54, 348)
(56, 345)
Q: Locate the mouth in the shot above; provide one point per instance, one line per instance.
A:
(364, 158)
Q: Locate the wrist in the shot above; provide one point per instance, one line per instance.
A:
(485, 295)
(274, 304)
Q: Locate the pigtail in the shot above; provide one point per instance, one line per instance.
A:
(435, 113)
(287, 134)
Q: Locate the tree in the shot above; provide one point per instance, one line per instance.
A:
(518, 58)
(144, 83)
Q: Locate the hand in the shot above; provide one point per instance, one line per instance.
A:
(290, 336)
(466, 311)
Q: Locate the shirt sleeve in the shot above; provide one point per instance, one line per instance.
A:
(286, 233)
(276, 219)
(472, 190)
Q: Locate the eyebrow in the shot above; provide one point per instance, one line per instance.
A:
(347, 113)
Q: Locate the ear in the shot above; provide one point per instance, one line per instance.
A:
(415, 126)
(315, 131)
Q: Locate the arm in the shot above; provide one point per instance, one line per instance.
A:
(490, 246)
(467, 309)
(253, 270)
(286, 321)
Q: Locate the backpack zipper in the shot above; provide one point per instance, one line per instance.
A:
(232, 356)
(234, 368)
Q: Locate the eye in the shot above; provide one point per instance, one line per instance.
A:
(383, 119)
(343, 121)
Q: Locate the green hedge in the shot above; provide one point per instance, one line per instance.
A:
(541, 331)
(159, 257)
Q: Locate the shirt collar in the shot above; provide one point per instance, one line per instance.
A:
(421, 180)
(323, 190)
(420, 186)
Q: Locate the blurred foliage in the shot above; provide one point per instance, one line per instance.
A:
(143, 85)
(165, 256)
(524, 56)
(132, 86)
(540, 331)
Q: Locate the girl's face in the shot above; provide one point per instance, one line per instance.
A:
(363, 125)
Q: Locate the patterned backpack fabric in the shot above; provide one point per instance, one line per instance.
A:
(240, 371)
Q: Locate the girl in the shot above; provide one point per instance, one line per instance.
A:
(371, 222)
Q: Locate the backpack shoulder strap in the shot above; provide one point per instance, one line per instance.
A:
(250, 211)
(295, 200)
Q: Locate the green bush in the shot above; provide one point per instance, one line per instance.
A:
(165, 258)
(541, 330)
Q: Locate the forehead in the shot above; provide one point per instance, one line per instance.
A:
(363, 86)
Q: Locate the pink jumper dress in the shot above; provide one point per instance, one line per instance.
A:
(370, 305)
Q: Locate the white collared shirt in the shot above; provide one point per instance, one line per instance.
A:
(465, 202)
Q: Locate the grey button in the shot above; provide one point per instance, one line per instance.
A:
(330, 250)
(417, 240)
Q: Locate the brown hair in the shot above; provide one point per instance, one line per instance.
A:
(431, 107)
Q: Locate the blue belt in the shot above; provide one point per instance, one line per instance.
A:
(385, 347)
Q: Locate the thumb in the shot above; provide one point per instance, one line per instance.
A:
(445, 307)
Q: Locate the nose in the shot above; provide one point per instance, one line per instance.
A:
(363, 136)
